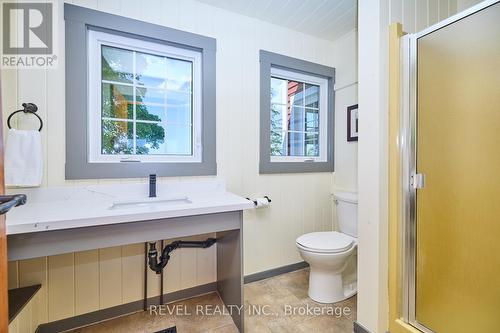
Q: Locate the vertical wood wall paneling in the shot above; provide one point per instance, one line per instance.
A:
(421, 15)
(110, 277)
(172, 273)
(443, 9)
(237, 62)
(409, 21)
(298, 206)
(416, 15)
(301, 203)
(86, 281)
(432, 12)
(452, 7)
(13, 326)
(132, 272)
(13, 274)
(35, 271)
(25, 322)
(61, 286)
(188, 265)
(206, 269)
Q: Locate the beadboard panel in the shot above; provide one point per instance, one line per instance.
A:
(86, 281)
(28, 320)
(82, 282)
(464, 4)
(132, 272)
(301, 202)
(237, 118)
(416, 15)
(35, 271)
(61, 285)
(13, 278)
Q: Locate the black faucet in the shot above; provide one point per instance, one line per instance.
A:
(152, 186)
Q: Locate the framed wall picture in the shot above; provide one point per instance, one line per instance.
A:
(352, 123)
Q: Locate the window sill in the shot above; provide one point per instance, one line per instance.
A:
(75, 170)
(294, 167)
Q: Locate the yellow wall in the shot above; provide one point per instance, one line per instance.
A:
(82, 282)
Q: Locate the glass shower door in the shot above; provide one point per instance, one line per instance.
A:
(457, 211)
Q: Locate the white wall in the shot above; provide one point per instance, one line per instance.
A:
(301, 203)
(416, 15)
(374, 19)
(372, 166)
(464, 4)
(346, 93)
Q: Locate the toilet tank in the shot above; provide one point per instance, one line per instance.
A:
(347, 212)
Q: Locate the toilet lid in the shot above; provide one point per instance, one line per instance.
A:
(326, 241)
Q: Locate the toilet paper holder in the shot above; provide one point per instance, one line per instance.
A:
(255, 201)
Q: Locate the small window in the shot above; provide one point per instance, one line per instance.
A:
(296, 118)
(144, 101)
(299, 116)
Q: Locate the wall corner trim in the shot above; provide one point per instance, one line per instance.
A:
(358, 328)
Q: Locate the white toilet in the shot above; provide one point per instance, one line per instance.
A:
(331, 255)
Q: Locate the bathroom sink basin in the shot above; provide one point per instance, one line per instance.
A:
(150, 203)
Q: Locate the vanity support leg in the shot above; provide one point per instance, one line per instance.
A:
(145, 301)
(230, 273)
(161, 279)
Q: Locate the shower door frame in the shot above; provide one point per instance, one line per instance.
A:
(408, 149)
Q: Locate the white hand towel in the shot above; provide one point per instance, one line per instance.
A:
(23, 158)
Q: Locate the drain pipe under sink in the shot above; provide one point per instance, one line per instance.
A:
(158, 264)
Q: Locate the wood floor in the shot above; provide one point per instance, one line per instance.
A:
(275, 305)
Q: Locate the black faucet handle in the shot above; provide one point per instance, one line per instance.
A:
(152, 186)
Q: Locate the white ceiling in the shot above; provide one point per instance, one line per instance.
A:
(328, 19)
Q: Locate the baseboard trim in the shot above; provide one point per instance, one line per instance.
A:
(358, 328)
(121, 310)
(275, 271)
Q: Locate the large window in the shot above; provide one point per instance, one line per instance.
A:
(296, 115)
(140, 98)
(144, 101)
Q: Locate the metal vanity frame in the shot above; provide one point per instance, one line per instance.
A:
(227, 226)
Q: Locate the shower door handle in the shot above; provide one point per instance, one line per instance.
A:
(417, 181)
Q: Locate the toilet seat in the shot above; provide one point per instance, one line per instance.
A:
(325, 242)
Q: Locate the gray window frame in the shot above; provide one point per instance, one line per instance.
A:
(270, 60)
(78, 21)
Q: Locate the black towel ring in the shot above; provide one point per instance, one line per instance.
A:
(27, 108)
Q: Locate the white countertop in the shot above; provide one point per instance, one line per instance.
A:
(56, 208)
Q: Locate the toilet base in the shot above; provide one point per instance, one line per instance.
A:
(350, 290)
(327, 287)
